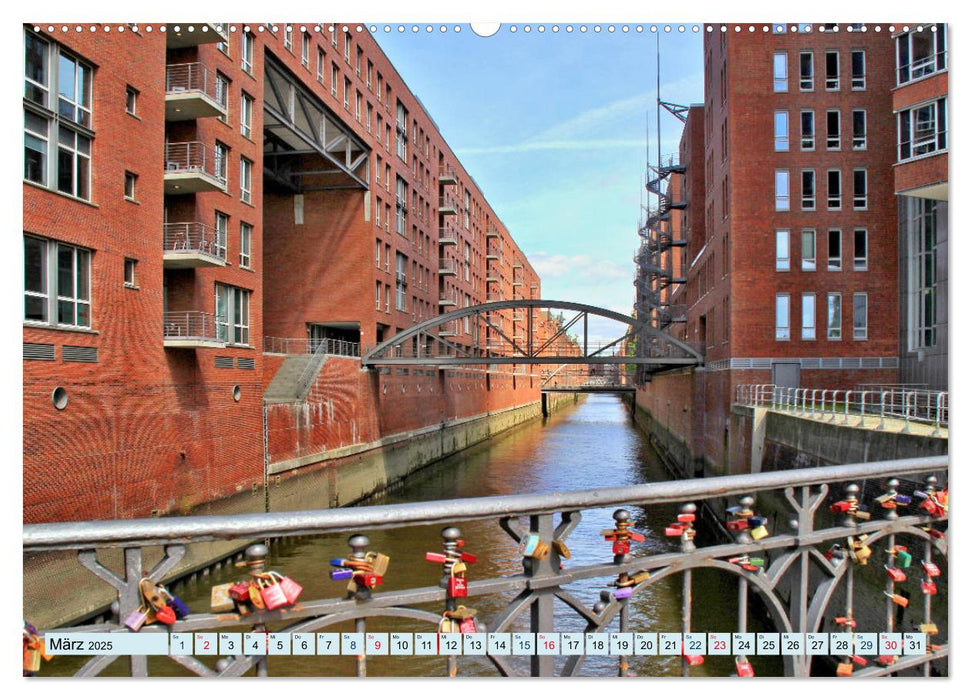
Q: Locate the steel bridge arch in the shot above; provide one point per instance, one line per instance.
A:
(686, 355)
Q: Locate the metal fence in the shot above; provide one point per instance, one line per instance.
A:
(189, 325)
(310, 346)
(803, 571)
(194, 157)
(194, 237)
(193, 77)
(853, 406)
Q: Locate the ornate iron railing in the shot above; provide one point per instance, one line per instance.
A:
(797, 571)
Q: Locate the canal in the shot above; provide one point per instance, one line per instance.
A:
(593, 443)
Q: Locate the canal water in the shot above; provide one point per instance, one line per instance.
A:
(593, 443)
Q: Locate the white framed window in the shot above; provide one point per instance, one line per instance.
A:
(387, 298)
(65, 120)
(377, 296)
(321, 65)
(780, 71)
(834, 248)
(222, 233)
(377, 253)
(370, 72)
(368, 116)
(834, 190)
(347, 94)
(131, 101)
(334, 78)
(782, 130)
(232, 314)
(806, 71)
(130, 181)
(57, 283)
(922, 130)
(222, 95)
(401, 204)
(858, 69)
(220, 154)
(246, 115)
(246, 52)
(245, 245)
(922, 272)
(288, 38)
(333, 35)
(807, 119)
(834, 316)
(223, 45)
(921, 53)
(387, 257)
(859, 188)
(347, 48)
(130, 265)
(246, 180)
(378, 206)
(860, 252)
(357, 105)
(808, 316)
(782, 190)
(860, 303)
(401, 282)
(782, 317)
(808, 190)
(808, 249)
(782, 250)
(859, 130)
(832, 130)
(305, 49)
(401, 133)
(832, 70)
(357, 61)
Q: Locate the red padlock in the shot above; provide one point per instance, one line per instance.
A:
(744, 668)
(674, 530)
(694, 659)
(858, 660)
(367, 578)
(686, 517)
(165, 615)
(458, 587)
(621, 546)
(840, 507)
(896, 575)
(467, 626)
(737, 524)
(928, 587)
(239, 592)
(291, 589)
(930, 568)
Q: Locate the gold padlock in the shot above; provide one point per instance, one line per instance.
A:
(458, 568)
(640, 577)
(561, 548)
(928, 628)
(379, 562)
(844, 669)
(461, 613)
(541, 552)
(447, 626)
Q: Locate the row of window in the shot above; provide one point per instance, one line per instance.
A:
(922, 130)
(808, 250)
(834, 316)
(807, 70)
(807, 130)
(834, 190)
(921, 53)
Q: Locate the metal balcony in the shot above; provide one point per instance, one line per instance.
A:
(448, 299)
(493, 253)
(193, 167)
(182, 35)
(447, 176)
(447, 236)
(191, 93)
(448, 329)
(492, 278)
(447, 267)
(492, 233)
(189, 244)
(447, 206)
(190, 329)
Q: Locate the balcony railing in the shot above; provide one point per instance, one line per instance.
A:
(447, 266)
(447, 176)
(309, 346)
(448, 297)
(447, 205)
(192, 91)
(447, 236)
(192, 244)
(493, 252)
(903, 410)
(190, 329)
(193, 167)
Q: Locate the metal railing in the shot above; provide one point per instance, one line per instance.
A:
(194, 157)
(189, 325)
(853, 406)
(309, 346)
(447, 203)
(448, 298)
(447, 266)
(193, 237)
(806, 538)
(193, 77)
(447, 234)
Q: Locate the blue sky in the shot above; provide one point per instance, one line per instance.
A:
(552, 128)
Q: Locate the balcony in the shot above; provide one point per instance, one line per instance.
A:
(494, 296)
(447, 267)
(493, 253)
(492, 233)
(180, 36)
(447, 236)
(192, 167)
(448, 329)
(447, 206)
(190, 93)
(448, 298)
(189, 244)
(190, 329)
(492, 277)
(447, 176)
(518, 316)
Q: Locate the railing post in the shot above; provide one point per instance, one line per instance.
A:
(883, 408)
(862, 408)
(937, 418)
(541, 611)
(907, 395)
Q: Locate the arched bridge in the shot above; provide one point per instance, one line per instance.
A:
(531, 331)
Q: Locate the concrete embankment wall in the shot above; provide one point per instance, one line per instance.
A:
(338, 477)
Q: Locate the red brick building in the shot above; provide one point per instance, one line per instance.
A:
(792, 243)
(301, 194)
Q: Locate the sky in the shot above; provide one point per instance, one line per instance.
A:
(552, 127)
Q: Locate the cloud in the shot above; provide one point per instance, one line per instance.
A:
(581, 268)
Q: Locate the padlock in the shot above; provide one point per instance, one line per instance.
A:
(31, 658)
(622, 593)
(458, 587)
(561, 549)
(844, 669)
(621, 547)
(858, 660)
(467, 626)
(368, 579)
(221, 600)
(447, 626)
(844, 621)
(743, 667)
(898, 599)
(930, 568)
(840, 507)
(271, 592)
(736, 525)
(759, 532)
(176, 603)
(465, 617)
(686, 518)
(928, 587)
(542, 551)
(895, 575)
(694, 659)
(458, 569)
(835, 551)
(928, 628)
(256, 596)
(165, 615)
(379, 563)
(239, 591)
(674, 530)
(887, 660)
(341, 574)
(137, 618)
(902, 557)
(291, 589)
